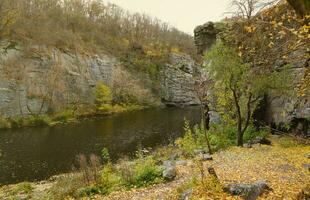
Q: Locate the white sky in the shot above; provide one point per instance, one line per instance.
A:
(183, 14)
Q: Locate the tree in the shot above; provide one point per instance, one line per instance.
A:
(302, 7)
(202, 89)
(238, 86)
(103, 96)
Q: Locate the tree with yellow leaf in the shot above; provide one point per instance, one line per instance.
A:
(238, 87)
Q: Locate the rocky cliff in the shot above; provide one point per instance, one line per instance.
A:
(278, 110)
(39, 80)
(178, 81)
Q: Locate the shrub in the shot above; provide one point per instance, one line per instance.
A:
(251, 133)
(64, 116)
(187, 143)
(146, 172)
(22, 188)
(66, 185)
(286, 142)
(141, 172)
(103, 97)
(105, 155)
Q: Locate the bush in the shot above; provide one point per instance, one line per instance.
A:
(64, 116)
(103, 97)
(66, 185)
(286, 142)
(141, 172)
(146, 172)
(187, 143)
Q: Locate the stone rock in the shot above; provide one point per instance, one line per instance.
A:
(247, 145)
(168, 163)
(181, 162)
(205, 37)
(206, 157)
(248, 191)
(186, 194)
(178, 81)
(76, 75)
(169, 172)
(306, 167)
(199, 151)
(261, 140)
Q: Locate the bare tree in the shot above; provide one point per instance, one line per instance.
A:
(202, 89)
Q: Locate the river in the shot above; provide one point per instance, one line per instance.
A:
(33, 154)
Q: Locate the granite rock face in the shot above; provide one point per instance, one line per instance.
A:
(179, 81)
(44, 79)
(205, 36)
(39, 80)
(279, 110)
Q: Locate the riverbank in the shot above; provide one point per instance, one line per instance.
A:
(283, 165)
(65, 117)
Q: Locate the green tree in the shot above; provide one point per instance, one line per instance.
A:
(103, 96)
(238, 87)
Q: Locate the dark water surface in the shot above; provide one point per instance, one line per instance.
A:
(37, 153)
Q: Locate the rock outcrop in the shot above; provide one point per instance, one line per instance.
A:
(179, 82)
(39, 80)
(205, 36)
(279, 110)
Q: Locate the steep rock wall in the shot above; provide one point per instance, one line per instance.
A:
(279, 110)
(178, 81)
(39, 80)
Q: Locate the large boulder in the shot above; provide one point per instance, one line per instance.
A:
(205, 37)
(247, 191)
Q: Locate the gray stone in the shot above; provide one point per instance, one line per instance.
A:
(248, 191)
(247, 145)
(181, 162)
(178, 81)
(206, 157)
(168, 163)
(169, 172)
(205, 37)
(199, 151)
(186, 194)
(261, 140)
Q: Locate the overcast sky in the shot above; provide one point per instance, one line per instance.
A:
(183, 14)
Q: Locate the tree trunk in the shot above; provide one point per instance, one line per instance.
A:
(239, 119)
(240, 139)
(204, 120)
(302, 7)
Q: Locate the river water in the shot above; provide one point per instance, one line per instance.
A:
(32, 154)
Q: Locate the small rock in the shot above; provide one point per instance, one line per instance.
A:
(199, 151)
(181, 162)
(306, 166)
(247, 145)
(186, 194)
(168, 163)
(206, 157)
(308, 156)
(248, 191)
(169, 173)
(261, 140)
